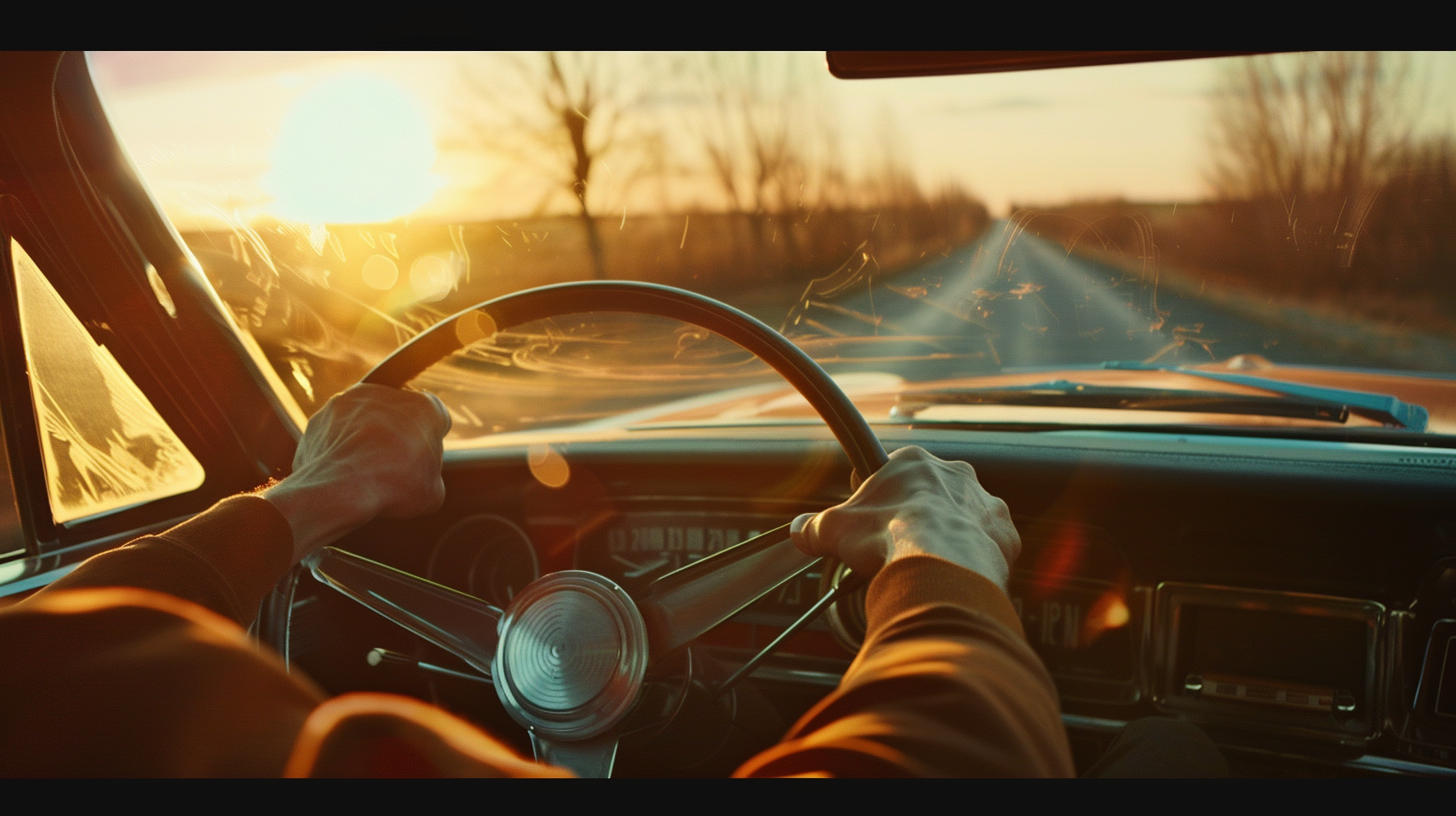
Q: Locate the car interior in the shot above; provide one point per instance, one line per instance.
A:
(1260, 541)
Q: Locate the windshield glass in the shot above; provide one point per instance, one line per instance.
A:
(1288, 217)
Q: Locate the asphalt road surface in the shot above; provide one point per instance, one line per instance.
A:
(1036, 305)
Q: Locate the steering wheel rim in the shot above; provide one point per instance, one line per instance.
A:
(529, 649)
(860, 444)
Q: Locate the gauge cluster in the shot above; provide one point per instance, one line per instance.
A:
(636, 548)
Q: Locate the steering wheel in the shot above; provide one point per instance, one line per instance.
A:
(569, 655)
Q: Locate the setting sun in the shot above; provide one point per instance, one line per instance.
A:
(355, 149)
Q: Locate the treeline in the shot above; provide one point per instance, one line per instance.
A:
(1387, 254)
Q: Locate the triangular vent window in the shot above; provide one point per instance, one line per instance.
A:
(105, 446)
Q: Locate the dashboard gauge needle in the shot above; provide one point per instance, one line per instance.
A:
(636, 570)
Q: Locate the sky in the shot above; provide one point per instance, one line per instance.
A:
(222, 136)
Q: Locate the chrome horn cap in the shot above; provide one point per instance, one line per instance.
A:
(572, 655)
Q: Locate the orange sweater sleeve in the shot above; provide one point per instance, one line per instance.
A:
(135, 665)
(945, 685)
(224, 560)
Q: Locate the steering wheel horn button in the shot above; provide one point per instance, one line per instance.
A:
(572, 655)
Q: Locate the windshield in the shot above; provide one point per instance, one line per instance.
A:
(1288, 217)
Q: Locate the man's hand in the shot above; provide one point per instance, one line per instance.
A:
(916, 505)
(370, 451)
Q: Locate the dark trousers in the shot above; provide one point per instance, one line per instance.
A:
(1160, 747)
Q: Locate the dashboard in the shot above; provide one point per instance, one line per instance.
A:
(1296, 599)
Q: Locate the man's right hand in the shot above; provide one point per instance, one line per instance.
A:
(916, 505)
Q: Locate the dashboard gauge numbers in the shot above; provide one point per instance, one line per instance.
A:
(638, 548)
(1085, 631)
(486, 556)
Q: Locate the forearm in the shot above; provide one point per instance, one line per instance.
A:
(225, 559)
(945, 685)
(370, 451)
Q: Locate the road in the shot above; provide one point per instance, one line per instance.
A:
(1038, 306)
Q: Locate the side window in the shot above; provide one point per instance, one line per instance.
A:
(104, 446)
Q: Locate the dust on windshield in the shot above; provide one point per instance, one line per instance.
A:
(1292, 213)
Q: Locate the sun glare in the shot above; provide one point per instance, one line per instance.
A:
(356, 149)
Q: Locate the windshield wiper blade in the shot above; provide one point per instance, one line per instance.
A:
(1066, 394)
(1383, 408)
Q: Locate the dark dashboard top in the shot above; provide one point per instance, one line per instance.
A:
(1360, 520)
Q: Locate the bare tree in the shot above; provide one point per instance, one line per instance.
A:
(1310, 137)
(563, 114)
(1308, 122)
(769, 142)
(753, 128)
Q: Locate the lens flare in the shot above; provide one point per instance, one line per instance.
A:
(379, 273)
(434, 276)
(474, 327)
(1109, 612)
(548, 466)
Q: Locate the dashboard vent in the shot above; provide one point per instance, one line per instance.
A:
(1429, 461)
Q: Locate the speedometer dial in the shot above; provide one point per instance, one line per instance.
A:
(486, 556)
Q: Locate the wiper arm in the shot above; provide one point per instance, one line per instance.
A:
(1065, 394)
(1383, 408)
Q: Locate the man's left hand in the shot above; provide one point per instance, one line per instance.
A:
(370, 451)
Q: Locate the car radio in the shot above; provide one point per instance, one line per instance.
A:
(1288, 662)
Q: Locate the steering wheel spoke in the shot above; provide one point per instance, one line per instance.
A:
(589, 758)
(459, 623)
(684, 604)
